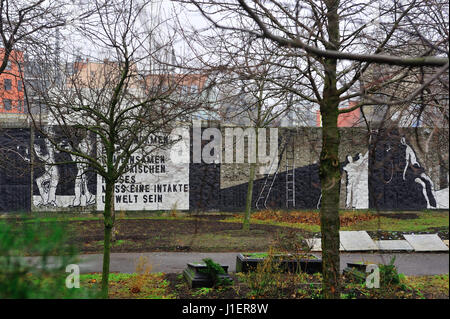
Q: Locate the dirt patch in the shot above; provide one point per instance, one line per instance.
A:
(399, 216)
(196, 234)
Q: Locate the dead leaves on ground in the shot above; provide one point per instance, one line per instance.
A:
(310, 218)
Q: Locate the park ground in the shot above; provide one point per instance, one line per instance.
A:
(221, 232)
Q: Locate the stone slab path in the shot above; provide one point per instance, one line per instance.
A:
(360, 241)
(422, 243)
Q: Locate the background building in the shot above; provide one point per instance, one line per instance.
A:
(11, 84)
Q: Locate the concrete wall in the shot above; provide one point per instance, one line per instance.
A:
(403, 169)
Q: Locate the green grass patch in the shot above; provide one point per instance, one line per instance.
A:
(430, 287)
(131, 286)
(425, 221)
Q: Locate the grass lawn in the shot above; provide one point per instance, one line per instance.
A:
(131, 286)
(357, 220)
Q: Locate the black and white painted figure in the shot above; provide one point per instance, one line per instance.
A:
(410, 157)
(47, 182)
(417, 173)
(83, 197)
(357, 181)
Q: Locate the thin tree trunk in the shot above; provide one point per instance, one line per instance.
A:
(251, 179)
(32, 132)
(248, 204)
(109, 223)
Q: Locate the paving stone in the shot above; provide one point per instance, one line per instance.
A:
(356, 241)
(316, 244)
(422, 243)
(393, 245)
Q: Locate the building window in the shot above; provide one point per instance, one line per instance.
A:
(20, 105)
(194, 89)
(19, 86)
(8, 84)
(8, 65)
(7, 104)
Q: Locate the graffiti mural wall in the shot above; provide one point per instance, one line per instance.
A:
(15, 170)
(60, 179)
(387, 170)
(403, 175)
(156, 178)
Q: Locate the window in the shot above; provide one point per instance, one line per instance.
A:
(8, 65)
(19, 86)
(7, 104)
(194, 89)
(20, 105)
(8, 84)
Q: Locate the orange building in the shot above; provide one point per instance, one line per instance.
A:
(350, 119)
(11, 84)
(98, 74)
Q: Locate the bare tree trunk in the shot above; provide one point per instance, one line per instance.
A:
(251, 179)
(31, 166)
(248, 204)
(109, 223)
(330, 177)
(113, 216)
(329, 171)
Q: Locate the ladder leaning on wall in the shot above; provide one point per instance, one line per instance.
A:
(290, 172)
(263, 196)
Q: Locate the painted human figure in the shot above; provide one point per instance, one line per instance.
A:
(47, 182)
(419, 172)
(357, 182)
(410, 157)
(81, 181)
(349, 168)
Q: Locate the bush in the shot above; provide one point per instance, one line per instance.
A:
(266, 281)
(389, 275)
(44, 276)
(216, 272)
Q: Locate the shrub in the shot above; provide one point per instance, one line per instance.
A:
(46, 276)
(389, 275)
(216, 272)
(266, 280)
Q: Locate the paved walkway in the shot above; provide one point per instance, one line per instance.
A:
(175, 262)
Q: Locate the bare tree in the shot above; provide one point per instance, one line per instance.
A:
(245, 94)
(111, 102)
(332, 44)
(30, 24)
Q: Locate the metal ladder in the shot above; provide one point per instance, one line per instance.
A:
(270, 178)
(290, 172)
